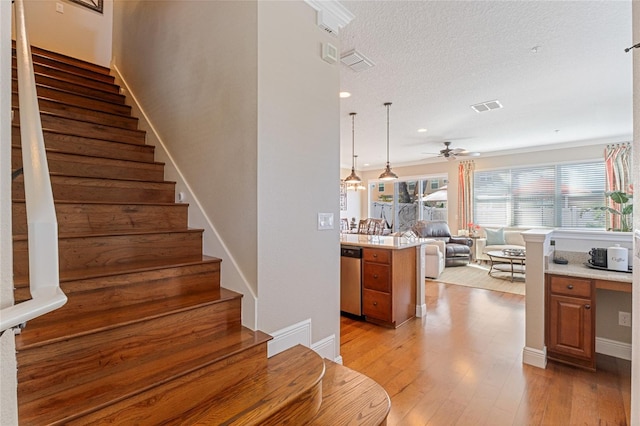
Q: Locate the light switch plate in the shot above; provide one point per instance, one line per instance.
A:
(325, 221)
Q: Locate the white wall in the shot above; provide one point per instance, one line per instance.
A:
(298, 172)
(8, 398)
(79, 32)
(635, 381)
(193, 68)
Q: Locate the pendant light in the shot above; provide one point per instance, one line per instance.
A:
(353, 178)
(358, 186)
(388, 174)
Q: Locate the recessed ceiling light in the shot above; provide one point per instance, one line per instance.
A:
(423, 130)
(345, 94)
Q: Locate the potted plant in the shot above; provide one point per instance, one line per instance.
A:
(623, 200)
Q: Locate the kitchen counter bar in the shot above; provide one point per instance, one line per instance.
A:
(605, 279)
(384, 242)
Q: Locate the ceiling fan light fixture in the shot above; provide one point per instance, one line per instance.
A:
(388, 174)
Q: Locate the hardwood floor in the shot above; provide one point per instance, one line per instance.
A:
(462, 365)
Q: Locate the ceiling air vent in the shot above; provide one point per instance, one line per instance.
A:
(356, 61)
(486, 106)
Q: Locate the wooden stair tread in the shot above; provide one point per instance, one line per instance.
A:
(259, 401)
(112, 92)
(78, 99)
(99, 147)
(60, 57)
(104, 161)
(114, 181)
(82, 112)
(116, 234)
(140, 375)
(69, 74)
(116, 269)
(99, 321)
(349, 397)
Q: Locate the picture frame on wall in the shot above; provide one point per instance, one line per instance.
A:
(97, 5)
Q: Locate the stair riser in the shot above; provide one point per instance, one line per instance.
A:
(68, 76)
(76, 66)
(173, 274)
(105, 218)
(89, 130)
(90, 147)
(80, 166)
(194, 390)
(77, 100)
(78, 253)
(47, 369)
(85, 189)
(121, 294)
(79, 89)
(81, 113)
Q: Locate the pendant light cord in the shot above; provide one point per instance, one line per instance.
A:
(388, 104)
(353, 141)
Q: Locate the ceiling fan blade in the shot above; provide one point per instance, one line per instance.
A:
(468, 154)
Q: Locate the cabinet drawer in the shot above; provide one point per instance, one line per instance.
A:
(376, 305)
(376, 277)
(377, 255)
(569, 286)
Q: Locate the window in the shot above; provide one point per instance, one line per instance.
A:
(562, 195)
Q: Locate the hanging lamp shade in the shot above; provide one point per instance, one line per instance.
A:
(388, 174)
(353, 178)
(357, 186)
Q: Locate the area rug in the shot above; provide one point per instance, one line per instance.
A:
(474, 275)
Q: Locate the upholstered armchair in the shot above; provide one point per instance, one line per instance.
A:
(434, 259)
(457, 249)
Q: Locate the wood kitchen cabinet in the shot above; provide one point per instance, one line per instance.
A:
(388, 285)
(570, 320)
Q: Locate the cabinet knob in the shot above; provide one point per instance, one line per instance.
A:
(587, 306)
(375, 254)
(570, 287)
(375, 276)
(375, 303)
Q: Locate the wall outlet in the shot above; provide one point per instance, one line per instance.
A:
(325, 221)
(624, 319)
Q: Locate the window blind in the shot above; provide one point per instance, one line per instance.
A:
(562, 195)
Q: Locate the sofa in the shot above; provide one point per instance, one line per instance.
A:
(492, 239)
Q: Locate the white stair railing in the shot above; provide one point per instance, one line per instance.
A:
(44, 280)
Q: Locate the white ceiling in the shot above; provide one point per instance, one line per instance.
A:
(436, 58)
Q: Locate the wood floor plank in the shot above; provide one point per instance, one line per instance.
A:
(462, 364)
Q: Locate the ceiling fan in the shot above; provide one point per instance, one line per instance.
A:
(452, 153)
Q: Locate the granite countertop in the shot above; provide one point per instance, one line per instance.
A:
(577, 268)
(378, 241)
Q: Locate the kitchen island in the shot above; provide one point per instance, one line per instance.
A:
(392, 277)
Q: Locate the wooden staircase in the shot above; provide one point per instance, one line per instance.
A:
(148, 335)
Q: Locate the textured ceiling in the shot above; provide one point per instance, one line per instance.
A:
(436, 58)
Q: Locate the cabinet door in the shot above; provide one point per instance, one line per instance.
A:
(570, 326)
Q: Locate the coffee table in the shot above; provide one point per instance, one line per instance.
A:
(503, 262)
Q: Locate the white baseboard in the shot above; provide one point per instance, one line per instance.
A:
(534, 357)
(613, 348)
(421, 310)
(326, 347)
(288, 337)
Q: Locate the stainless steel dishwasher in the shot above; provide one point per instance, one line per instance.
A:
(350, 280)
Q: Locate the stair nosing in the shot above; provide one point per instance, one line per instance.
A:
(68, 236)
(39, 51)
(75, 74)
(59, 132)
(107, 203)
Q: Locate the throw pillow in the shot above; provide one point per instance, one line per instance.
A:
(495, 237)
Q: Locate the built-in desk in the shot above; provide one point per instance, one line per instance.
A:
(570, 310)
(391, 279)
